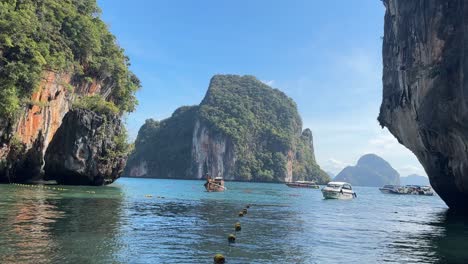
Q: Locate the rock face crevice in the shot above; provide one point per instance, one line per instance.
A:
(425, 94)
(212, 153)
(84, 152)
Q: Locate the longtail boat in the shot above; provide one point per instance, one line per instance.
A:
(214, 185)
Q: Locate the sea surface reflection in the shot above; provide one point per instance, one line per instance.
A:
(180, 223)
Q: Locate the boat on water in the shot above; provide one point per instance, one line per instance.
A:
(214, 185)
(303, 184)
(408, 189)
(390, 189)
(420, 190)
(338, 190)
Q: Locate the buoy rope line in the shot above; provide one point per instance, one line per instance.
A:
(45, 187)
(219, 258)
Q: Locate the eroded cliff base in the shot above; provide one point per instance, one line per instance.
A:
(85, 151)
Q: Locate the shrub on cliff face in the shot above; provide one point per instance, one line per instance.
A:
(9, 102)
(64, 36)
(96, 104)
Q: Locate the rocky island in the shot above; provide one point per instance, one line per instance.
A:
(51, 63)
(424, 90)
(370, 170)
(243, 130)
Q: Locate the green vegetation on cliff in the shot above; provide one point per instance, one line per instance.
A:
(265, 127)
(237, 106)
(305, 166)
(166, 145)
(96, 104)
(62, 36)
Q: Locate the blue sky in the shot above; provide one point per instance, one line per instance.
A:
(326, 55)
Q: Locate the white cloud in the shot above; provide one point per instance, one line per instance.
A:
(385, 143)
(268, 82)
(402, 159)
(334, 166)
(411, 169)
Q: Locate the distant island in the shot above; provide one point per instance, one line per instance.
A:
(370, 170)
(243, 130)
(415, 179)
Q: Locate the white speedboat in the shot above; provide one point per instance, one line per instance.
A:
(408, 189)
(420, 190)
(390, 189)
(338, 190)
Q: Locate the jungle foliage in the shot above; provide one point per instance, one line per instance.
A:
(60, 36)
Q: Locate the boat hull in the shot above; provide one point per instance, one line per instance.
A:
(387, 191)
(302, 185)
(214, 186)
(338, 195)
(409, 190)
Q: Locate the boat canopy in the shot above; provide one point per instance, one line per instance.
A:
(337, 183)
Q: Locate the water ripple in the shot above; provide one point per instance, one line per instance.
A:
(164, 221)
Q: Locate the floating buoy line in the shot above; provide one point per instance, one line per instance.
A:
(44, 187)
(53, 188)
(219, 258)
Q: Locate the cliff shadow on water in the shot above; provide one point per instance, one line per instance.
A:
(45, 226)
(442, 239)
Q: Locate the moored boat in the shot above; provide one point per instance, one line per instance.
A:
(420, 190)
(214, 185)
(408, 189)
(303, 184)
(389, 189)
(338, 190)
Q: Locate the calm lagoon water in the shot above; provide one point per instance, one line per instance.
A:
(118, 224)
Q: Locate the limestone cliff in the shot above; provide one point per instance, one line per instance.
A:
(84, 150)
(424, 89)
(212, 153)
(31, 133)
(163, 149)
(243, 130)
(48, 60)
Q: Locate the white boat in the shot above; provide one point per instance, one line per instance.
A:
(408, 189)
(420, 190)
(303, 184)
(338, 190)
(390, 189)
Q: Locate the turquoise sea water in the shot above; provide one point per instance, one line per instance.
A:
(119, 224)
